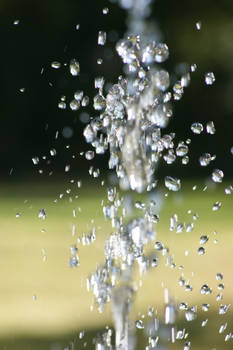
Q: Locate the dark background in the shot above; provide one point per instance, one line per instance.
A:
(47, 32)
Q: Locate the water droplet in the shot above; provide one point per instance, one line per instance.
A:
(204, 239)
(161, 52)
(222, 328)
(221, 286)
(18, 215)
(205, 289)
(56, 65)
(197, 128)
(201, 251)
(62, 105)
(74, 67)
(99, 61)
(74, 105)
(204, 323)
(217, 175)
(190, 315)
(42, 214)
(102, 38)
(223, 309)
(205, 307)
(53, 152)
(209, 78)
(35, 160)
(205, 159)
(172, 184)
(77, 26)
(16, 22)
(105, 10)
(89, 155)
(216, 206)
(229, 190)
(210, 128)
(193, 67)
(198, 25)
(139, 324)
(219, 276)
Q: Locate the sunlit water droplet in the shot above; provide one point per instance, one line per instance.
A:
(197, 128)
(74, 67)
(209, 78)
(217, 175)
(172, 184)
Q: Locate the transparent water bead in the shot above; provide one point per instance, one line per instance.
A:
(205, 307)
(205, 159)
(210, 128)
(217, 175)
(222, 328)
(89, 155)
(99, 102)
(35, 160)
(219, 276)
(16, 22)
(74, 105)
(197, 128)
(42, 214)
(102, 38)
(209, 78)
(139, 324)
(172, 184)
(229, 190)
(62, 105)
(204, 323)
(105, 10)
(201, 251)
(162, 80)
(161, 52)
(204, 239)
(74, 261)
(181, 149)
(205, 289)
(74, 67)
(187, 345)
(216, 206)
(193, 67)
(223, 309)
(56, 65)
(53, 152)
(198, 25)
(191, 314)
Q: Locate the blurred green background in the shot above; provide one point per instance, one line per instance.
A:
(43, 302)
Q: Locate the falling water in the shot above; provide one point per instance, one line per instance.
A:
(131, 121)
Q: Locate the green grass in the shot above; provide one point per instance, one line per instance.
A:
(62, 304)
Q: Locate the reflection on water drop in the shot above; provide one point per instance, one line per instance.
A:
(197, 128)
(217, 175)
(216, 206)
(198, 25)
(201, 251)
(74, 67)
(172, 184)
(56, 65)
(209, 78)
(102, 38)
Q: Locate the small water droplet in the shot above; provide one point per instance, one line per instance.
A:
(201, 251)
(139, 324)
(198, 25)
(102, 38)
(210, 128)
(74, 67)
(172, 184)
(105, 10)
(217, 175)
(205, 307)
(193, 67)
(209, 78)
(35, 160)
(197, 128)
(99, 61)
(56, 65)
(16, 22)
(42, 214)
(204, 239)
(216, 206)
